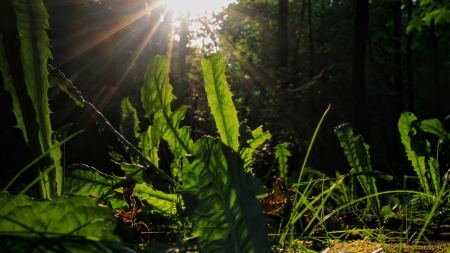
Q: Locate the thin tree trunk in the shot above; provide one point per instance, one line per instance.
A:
(360, 35)
(300, 31)
(436, 68)
(283, 45)
(409, 76)
(397, 48)
(311, 42)
(393, 146)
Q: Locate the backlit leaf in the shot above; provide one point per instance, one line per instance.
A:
(415, 147)
(220, 200)
(32, 25)
(282, 155)
(156, 93)
(220, 100)
(87, 181)
(77, 216)
(358, 157)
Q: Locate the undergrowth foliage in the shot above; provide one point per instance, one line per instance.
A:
(210, 192)
(357, 153)
(30, 92)
(220, 199)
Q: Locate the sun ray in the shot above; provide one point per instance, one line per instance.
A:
(103, 36)
(265, 80)
(106, 93)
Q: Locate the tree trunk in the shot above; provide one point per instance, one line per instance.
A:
(300, 31)
(360, 35)
(393, 147)
(436, 70)
(397, 48)
(409, 76)
(283, 44)
(311, 42)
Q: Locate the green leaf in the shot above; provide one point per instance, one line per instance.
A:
(433, 166)
(357, 154)
(87, 181)
(168, 125)
(259, 137)
(32, 25)
(386, 212)
(442, 15)
(11, 89)
(415, 147)
(428, 18)
(133, 171)
(220, 100)
(161, 202)
(414, 24)
(156, 97)
(282, 155)
(149, 144)
(129, 121)
(220, 200)
(156, 94)
(434, 126)
(75, 216)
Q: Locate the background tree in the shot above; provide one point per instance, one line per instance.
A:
(359, 97)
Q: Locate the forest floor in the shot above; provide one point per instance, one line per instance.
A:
(362, 246)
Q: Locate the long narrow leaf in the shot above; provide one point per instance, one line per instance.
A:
(357, 154)
(156, 97)
(220, 100)
(415, 147)
(32, 25)
(11, 89)
(156, 94)
(129, 122)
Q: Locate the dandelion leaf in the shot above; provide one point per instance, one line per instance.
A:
(220, 200)
(220, 100)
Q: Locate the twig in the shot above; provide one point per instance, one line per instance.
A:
(58, 78)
